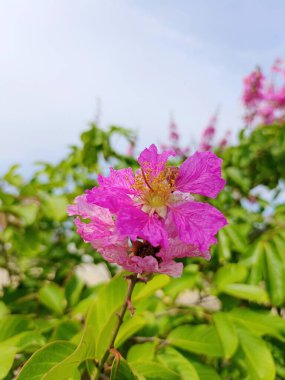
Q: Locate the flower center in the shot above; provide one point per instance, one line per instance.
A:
(155, 191)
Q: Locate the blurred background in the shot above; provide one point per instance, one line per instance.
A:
(65, 63)
(85, 85)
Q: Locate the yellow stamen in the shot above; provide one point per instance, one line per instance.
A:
(155, 192)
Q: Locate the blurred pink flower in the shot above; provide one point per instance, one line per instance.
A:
(174, 142)
(144, 220)
(208, 134)
(253, 88)
(264, 100)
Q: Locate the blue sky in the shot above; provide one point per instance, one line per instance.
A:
(143, 59)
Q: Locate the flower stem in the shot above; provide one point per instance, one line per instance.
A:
(132, 280)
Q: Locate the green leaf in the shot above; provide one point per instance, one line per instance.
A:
(7, 355)
(176, 285)
(73, 289)
(229, 274)
(258, 359)
(202, 339)
(23, 340)
(259, 322)
(257, 264)
(52, 296)
(102, 316)
(128, 328)
(178, 363)
(247, 292)
(122, 371)
(12, 177)
(55, 207)
(11, 325)
(3, 310)
(146, 290)
(276, 275)
(227, 334)
(236, 238)
(141, 352)
(28, 212)
(155, 371)
(204, 371)
(224, 245)
(66, 330)
(44, 360)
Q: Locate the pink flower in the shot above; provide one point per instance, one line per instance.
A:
(253, 88)
(145, 220)
(208, 135)
(174, 139)
(265, 100)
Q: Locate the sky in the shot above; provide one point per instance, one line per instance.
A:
(143, 59)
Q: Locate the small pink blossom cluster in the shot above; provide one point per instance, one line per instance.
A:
(265, 100)
(174, 139)
(145, 220)
(208, 136)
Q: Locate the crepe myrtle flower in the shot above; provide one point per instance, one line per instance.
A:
(145, 220)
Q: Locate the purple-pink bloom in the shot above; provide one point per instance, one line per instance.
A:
(265, 100)
(208, 135)
(253, 88)
(145, 220)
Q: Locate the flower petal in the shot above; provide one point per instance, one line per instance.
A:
(178, 249)
(118, 179)
(151, 161)
(197, 223)
(135, 223)
(88, 210)
(201, 174)
(146, 264)
(171, 268)
(110, 198)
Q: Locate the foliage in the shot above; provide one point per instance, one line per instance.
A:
(222, 319)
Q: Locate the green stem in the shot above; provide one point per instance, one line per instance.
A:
(132, 280)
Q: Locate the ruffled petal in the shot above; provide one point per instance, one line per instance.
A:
(146, 264)
(116, 254)
(201, 174)
(135, 223)
(88, 210)
(118, 179)
(171, 268)
(177, 249)
(153, 162)
(112, 199)
(197, 223)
